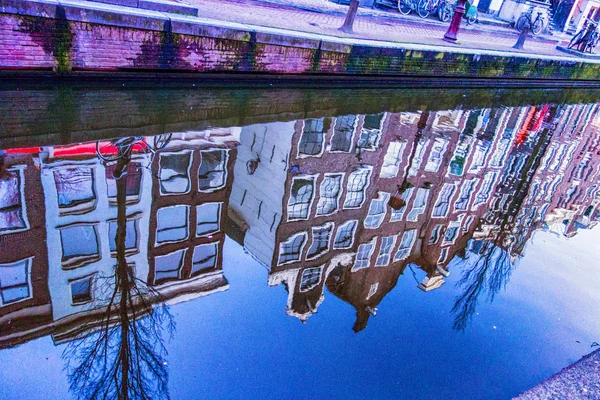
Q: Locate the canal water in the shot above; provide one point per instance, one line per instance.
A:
(294, 243)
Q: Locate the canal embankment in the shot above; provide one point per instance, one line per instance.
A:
(69, 37)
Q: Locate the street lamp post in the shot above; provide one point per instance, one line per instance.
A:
(452, 31)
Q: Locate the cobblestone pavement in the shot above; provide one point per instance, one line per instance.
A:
(370, 24)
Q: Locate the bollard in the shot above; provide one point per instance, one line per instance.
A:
(521, 39)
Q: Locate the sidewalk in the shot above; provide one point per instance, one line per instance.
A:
(324, 17)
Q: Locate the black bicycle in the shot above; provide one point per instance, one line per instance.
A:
(525, 21)
(587, 38)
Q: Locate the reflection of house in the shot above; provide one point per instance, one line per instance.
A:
(74, 195)
(24, 297)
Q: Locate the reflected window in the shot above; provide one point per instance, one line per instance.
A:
(168, 267)
(371, 132)
(415, 165)
(12, 215)
(15, 281)
(205, 257)
(377, 211)
(79, 245)
(311, 142)
(342, 133)
(329, 194)
(443, 201)
(363, 255)
(174, 173)
(321, 237)
(418, 205)
(465, 194)
(397, 215)
(436, 156)
(457, 164)
(392, 160)
(435, 234)
(208, 217)
(373, 290)
(358, 181)
(300, 198)
(478, 160)
(452, 232)
(443, 255)
(212, 174)
(81, 290)
(385, 252)
(310, 278)
(485, 192)
(406, 245)
(291, 249)
(131, 235)
(172, 224)
(344, 237)
(134, 182)
(75, 188)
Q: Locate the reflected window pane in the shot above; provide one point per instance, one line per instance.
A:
(310, 278)
(168, 267)
(329, 194)
(345, 235)
(15, 281)
(311, 142)
(212, 174)
(11, 210)
(320, 240)
(291, 249)
(75, 186)
(81, 290)
(342, 133)
(134, 180)
(205, 257)
(79, 241)
(172, 224)
(174, 173)
(300, 198)
(208, 218)
(130, 235)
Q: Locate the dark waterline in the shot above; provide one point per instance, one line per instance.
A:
(295, 243)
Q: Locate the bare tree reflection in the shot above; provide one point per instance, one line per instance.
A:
(125, 357)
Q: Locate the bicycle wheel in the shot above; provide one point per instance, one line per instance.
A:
(522, 22)
(575, 39)
(405, 6)
(472, 19)
(538, 26)
(162, 140)
(423, 8)
(447, 13)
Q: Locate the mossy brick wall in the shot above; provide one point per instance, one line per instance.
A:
(62, 44)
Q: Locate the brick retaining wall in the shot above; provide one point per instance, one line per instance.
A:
(73, 35)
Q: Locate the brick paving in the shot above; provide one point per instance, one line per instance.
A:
(324, 17)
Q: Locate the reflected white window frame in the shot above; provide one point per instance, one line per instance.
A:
(313, 179)
(392, 160)
(135, 218)
(323, 135)
(29, 261)
(162, 155)
(478, 160)
(372, 290)
(398, 215)
(443, 255)
(290, 240)
(224, 163)
(409, 238)
(418, 209)
(442, 204)
(454, 227)
(385, 251)
(214, 245)
(466, 195)
(363, 255)
(352, 136)
(179, 269)
(322, 199)
(343, 227)
(218, 222)
(436, 234)
(328, 228)
(484, 194)
(373, 220)
(73, 262)
(91, 278)
(314, 284)
(436, 155)
(376, 132)
(84, 207)
(20, 169)
(188, 225)
(365, 170)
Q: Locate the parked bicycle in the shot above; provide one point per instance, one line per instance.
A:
(471, 12)
(425, 8)
(525, 21)
(587, 38)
